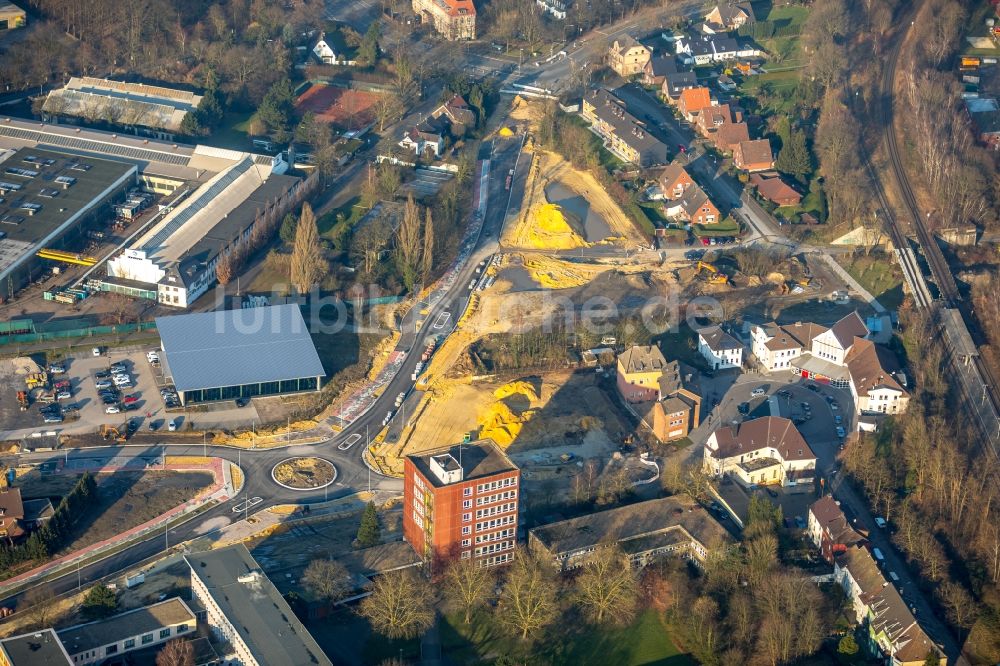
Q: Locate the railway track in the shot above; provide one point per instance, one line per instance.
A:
(953, 327)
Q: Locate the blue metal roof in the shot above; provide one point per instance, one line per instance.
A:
(233, 347)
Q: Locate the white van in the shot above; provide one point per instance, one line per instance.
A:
(878, 555)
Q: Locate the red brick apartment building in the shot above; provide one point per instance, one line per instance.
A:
(462, 501)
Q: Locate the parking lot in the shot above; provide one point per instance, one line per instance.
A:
(84, 409)
(815, 410)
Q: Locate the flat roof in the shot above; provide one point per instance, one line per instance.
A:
(634, 521)
(239, 218)
(478, 459)
(38, 648)
(255, 609)
(234, 347)
(92, 635)
(36, 206)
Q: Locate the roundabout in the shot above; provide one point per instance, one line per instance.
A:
(304, 473)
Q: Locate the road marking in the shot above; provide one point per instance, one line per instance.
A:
(351, 441)
(442, 320)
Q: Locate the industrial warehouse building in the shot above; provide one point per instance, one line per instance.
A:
(232, 354)
(177, 257)
(48, 200)
(128, 104)
(212, 198)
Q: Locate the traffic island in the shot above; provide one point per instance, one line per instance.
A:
(304, 473)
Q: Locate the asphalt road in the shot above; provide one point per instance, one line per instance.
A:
(352, 474)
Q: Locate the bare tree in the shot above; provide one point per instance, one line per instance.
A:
(38, 604)
(224, 269)
(327, 580)
(468, 585)
(528, 601)
(607, 588)
(178, 652)
(401, 604)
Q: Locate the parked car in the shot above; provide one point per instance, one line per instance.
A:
(240, 402)
(96, 351)
(63, 395)
(103, 384)
(57, 369)
(102, 374)
(52, 418)
(758, 391)
(880, 521)
(112, 409)
(841, 432)
(838, 419)
(172, 426)
(130, 400)
(743, 408)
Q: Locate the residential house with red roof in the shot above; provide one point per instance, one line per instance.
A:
(754, 155)
(773, 188)
(693, 101)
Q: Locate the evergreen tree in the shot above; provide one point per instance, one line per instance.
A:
(288, 226)
(368, 531)
(308, 265)
(368, 50)
(428, 253)
(794, 158)
(100, 602)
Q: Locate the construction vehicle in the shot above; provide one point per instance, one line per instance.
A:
(46, 397)
(116, 433)
(715, 276)
(36, 380)
(970, 62)
(22, 400)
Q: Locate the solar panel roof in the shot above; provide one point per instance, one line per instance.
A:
(234, 347)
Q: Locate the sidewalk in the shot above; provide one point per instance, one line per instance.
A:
(219, 491)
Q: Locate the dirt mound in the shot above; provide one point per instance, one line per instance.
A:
(552, 228)
(517, 387)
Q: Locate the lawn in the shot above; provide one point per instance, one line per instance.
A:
(231, 133)
(644, 642)
(728, 227)
(879, 274)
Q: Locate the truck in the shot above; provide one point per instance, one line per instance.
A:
(510, 180)
(22, 400)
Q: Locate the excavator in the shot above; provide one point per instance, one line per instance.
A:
(715, 276)
(116, 433)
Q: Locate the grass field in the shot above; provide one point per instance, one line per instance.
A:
(644, 642)
(879, 275)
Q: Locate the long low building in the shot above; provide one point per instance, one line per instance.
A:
(646, 531)
(231, 354)
(94, 642)
(128, 104)
(179, 254)
(246, 610)
(48, 200)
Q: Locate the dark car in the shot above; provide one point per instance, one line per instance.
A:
(744, 408)
(242, 402)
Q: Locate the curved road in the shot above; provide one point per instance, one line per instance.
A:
(353, 475)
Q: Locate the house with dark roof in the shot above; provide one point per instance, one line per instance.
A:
(720, 349)
(829, 530)
(11, 513)
(657, 68)
(728, 16)
(891, 629)
(426, 138)
(763, 451)
(705, 49)
(674, 181)
(664, 394)
(694, 207)
(874, 386)
(773, 188)
(459, 114)
(674, 83)
(647, 531)
(754, 155)
(625, 135)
